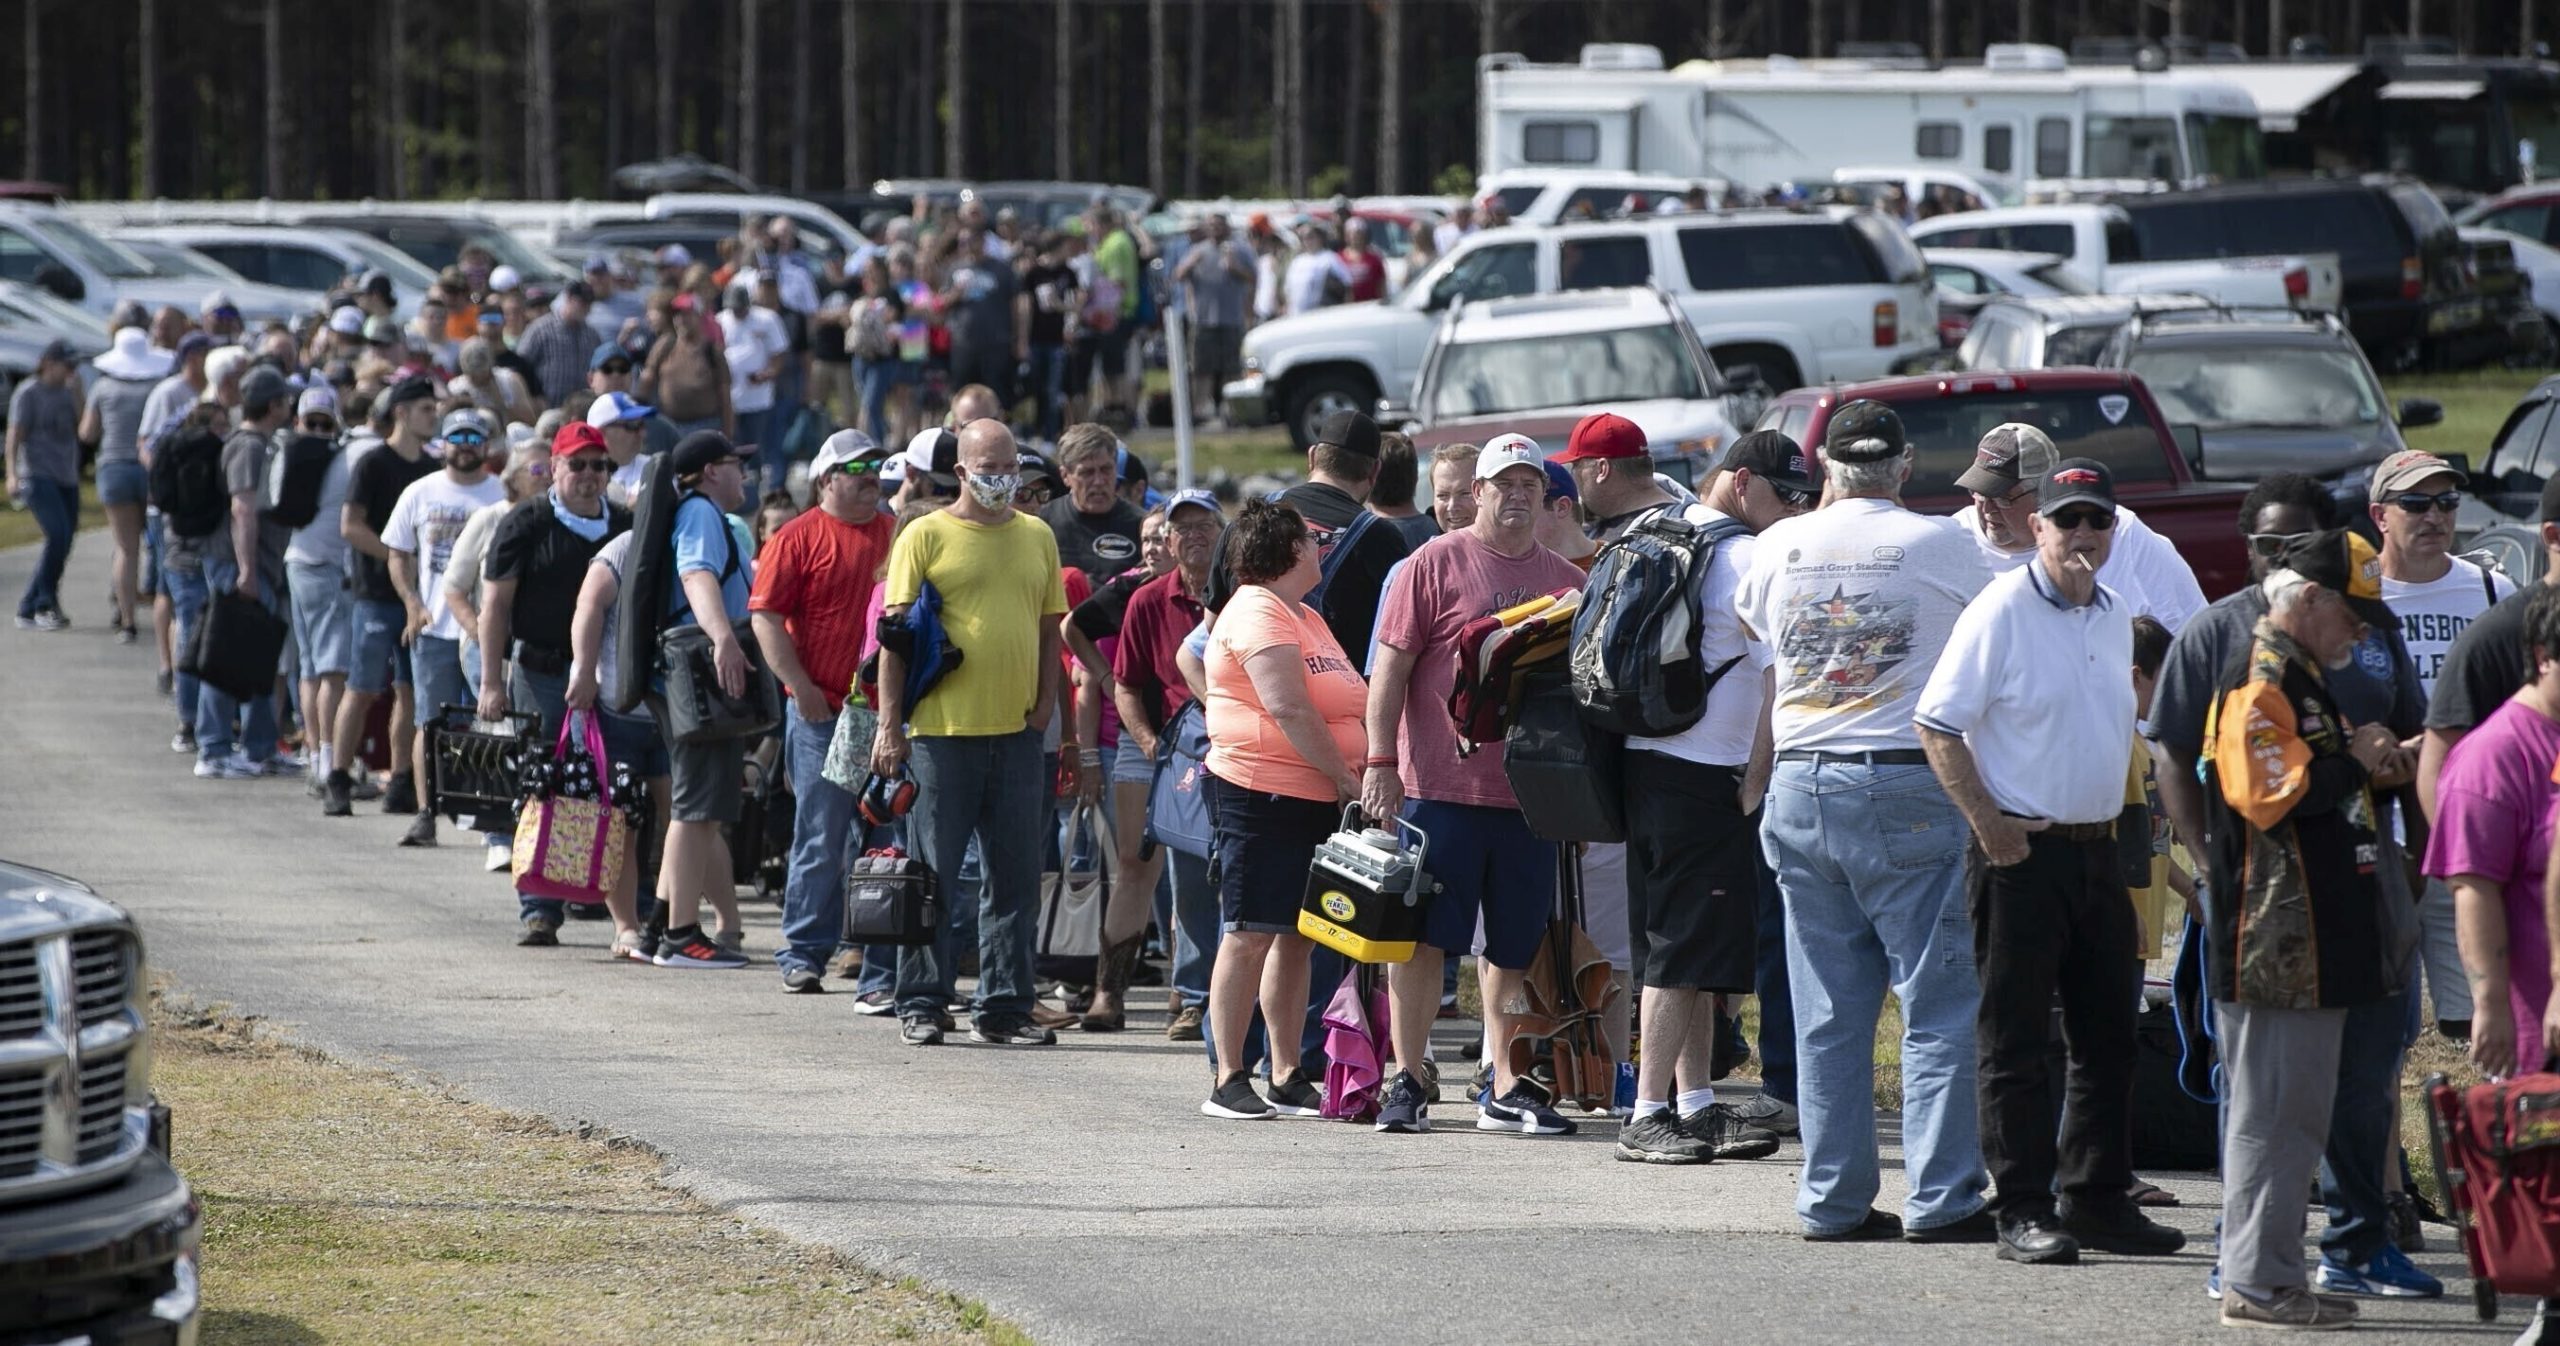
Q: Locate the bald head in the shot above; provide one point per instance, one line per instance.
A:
(987, 448)
(973, 403)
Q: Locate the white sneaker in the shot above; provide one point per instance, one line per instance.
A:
(287, 762)
(234, 767)
(1768, 1114)
(499, 859)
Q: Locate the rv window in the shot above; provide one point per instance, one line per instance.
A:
(2228, 149)
(1996, 148)
(1560, 142)
(1775, 257)
(2053, 147)
(1939, 140)
(1598, 263)
(2130, 147)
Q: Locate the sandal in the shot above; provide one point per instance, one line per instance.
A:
(2145, 1194)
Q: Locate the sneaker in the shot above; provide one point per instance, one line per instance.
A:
(1185, 1026)
(1768, 1114)
(498, 858)
(126, 635)
(803, 981)
(337, 798)
(1404, 1109)
(234, 767)
(402, 797)
(694, 950)
(874, 1003)
(422, 831)
(165, 683)
(2389, 1274)
(1294, 1095)
(2408, 1230)
(314, 786)
(2291, 1309)
(1726, 1136)
(183, 741)
(1657, 1138)
(1010, 1032)
(46, 620)
(540, 932)
(287, 762)
(2118, 1226)
(1234, 1100)
(919, 1030)
(365, 788)
(2213, 1282)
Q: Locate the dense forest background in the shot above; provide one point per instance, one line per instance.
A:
(543, 98)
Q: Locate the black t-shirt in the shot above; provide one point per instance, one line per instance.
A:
(1100, 545)
(374, 485)
(508, 359)
(826, 339)
(1100, 616)
(548, 564)
(1053, 296)
(2487, 664)
(1351, 600)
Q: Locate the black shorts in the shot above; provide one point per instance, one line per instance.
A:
(1693, 898)
(707, 780)
(1266, 844)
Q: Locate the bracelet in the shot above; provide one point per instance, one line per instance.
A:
(1375, 762)
(1091, 757)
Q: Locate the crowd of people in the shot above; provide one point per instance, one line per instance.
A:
(1923, 766)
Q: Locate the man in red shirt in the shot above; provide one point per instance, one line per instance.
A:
(813, 588)
(1367, 271)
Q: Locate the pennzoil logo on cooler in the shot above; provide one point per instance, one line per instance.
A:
(1337, 906)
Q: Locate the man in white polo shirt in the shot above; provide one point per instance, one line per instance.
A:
(2028, 722)
(2143, 568)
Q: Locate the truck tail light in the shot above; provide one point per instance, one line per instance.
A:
(1888, 323)
(2412, 278)
(2297, 284)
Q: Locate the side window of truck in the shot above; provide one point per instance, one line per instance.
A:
(1597, 263)
(1775, 257)
(1489, 273)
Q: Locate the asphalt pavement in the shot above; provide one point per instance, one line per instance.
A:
(1074, 1189)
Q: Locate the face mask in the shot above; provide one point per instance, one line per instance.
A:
(996, 491)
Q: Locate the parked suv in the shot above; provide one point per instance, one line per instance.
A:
(44, 246)
(299, 257)
(1835, 293)
(98, 1234)
(2051, 331)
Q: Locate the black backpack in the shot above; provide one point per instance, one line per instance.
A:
(647, 579)
(187, 482)
(294, 475)
(1635, 661)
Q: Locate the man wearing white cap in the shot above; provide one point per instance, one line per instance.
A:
(2144, 568)
(929, 467)
(812, 591)
(323, 594)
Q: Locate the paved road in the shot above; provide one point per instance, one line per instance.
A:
(1074, 1189)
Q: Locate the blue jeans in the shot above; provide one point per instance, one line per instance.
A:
(1777, 1003)
(2361, 1141)
(57, 510)
(986, 788)
(1870, 863)
(1195, 926)
(823, 837)
(547, 695)
(182, 578)
(217, 715)
(1049, 385)
(751, 430)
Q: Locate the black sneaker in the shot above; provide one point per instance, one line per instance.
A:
(802, 981)
(1012, 1032)
(539, 933)
(588, 911)
(690, 948)
(1978, 1227)
(402, 797)
(1726, 1136)
(1234, 1100)
(2118, 1226)
(1523, 1110)
(1658, 1138)
(919, 1030)
(1294, 1095)
(1404, 1110)
(335, 801)
(422, 831)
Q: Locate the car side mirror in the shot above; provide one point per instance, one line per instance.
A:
(2190, 440)
(56, 277)
(2418, 411)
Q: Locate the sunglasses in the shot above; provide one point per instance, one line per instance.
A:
(474, 441)
(2083, 516)
(1791, 496)
(586, 464)
(867, 467)
(2273, 545)
(614, 367)
(2414, 503)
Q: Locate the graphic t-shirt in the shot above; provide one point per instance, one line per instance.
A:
(426, 523)
(999, 583)
(1247, 747)
(2493, 819)
(1101, 545)
(2485, 667)
(1453, 580)
(2433, 615)
(1857, 600)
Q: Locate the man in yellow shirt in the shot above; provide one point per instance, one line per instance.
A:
(974, 739)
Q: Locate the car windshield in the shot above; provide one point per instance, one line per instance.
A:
(111, 259)
(2222, 386)
(1631, 364)
(2085, 423)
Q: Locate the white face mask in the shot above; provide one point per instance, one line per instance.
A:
(994, 491)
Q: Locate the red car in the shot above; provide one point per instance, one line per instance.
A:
(2091, 413)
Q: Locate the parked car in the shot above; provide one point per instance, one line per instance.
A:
(1554, 195)
(2091, 413)
(437, 241)
(2502, 511)
(2519, 284)
(2531, 211)
(43, 246)
(1833, 293)
(98, 1234)
(1968, 278)
(2056, 330)
(2267, 392)
(1539, 364)
(2101, 244)
(298, 256)
(31, 310)
(823, 233)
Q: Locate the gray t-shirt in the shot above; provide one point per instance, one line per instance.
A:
(319, 542)
(982, 317)
(119, 404)
(1218, 293)
(48, 419)
(244, 469)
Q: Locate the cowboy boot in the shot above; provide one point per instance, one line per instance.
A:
(1112, 973)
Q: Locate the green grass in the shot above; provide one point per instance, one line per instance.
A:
(2475, 405)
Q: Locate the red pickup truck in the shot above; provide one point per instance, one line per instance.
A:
(2091, 413)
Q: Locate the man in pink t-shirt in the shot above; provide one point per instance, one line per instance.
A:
(1482, 851)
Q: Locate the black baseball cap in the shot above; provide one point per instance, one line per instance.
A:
(1774, 458)
(2076, 481)
(415, 388)
(59, 351)
(1037, 467)
(1349, 431)
(1864, 431)
(701, 449)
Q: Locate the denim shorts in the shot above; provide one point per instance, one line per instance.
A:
(635, 739)
(1266, 842)
(379, 661)
(324, 617)
(123, 483)
(1488, 861)
(436, 665)
(1129, 767)
(154, 542)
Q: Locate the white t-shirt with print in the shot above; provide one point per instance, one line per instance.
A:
(749, 344)
(2432, 615)
(1722, 736)
(426, 523)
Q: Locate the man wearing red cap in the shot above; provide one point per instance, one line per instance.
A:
(528, 592)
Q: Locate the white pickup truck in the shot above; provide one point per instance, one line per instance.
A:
(2099, 244)
(1799, 296)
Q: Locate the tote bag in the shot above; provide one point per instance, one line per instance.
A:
(568, 847)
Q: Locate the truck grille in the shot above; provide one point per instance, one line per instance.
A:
(67, 1032)
(21, 995)
(100, 978)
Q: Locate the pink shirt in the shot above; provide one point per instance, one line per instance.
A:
(1452, 580)
(2493, 819)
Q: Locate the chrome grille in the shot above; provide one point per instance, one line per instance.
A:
(68, 1031)
(101, 1109)
(21, 992)
(21, 1124)
(101, 975)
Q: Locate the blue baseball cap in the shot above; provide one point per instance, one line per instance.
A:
(1195, 496)
(615, 408)
(1560, 483)
(610, 351)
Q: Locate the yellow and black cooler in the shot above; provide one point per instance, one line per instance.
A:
(1367, 892)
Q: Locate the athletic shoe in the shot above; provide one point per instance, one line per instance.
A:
(694, 950)
(2389, 1274)
(422, 831)
(1657, 1138)
(919, 1030)
(1234, 1100)
(2213, 1282)
(1294, 1095)
(1875, 1226)
(402, 797)
(875, 1003)
(731, 942)
(1185, 1026)
(1768, 1114)
(803, 981)
(2408, 1231)
(337, 796)
(2291, 1309)
(287, 762)
(183, 741)
(315, 786)
(1015, 1031)
(539, 933)
(1726, 1136)
(234, 767)
(499, 859)
(46, 620)
(165, 682)
(2118, 1226)
(126, 635)
(1404, 1109)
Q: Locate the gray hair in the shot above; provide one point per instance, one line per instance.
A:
(475, 356)
(521, 461)
(2283, 590)
(1880, 476)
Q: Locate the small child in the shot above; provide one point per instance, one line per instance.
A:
(2166, 884)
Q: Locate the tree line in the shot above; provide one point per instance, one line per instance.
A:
(544, 98)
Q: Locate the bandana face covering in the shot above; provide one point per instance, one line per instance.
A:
(994, 491)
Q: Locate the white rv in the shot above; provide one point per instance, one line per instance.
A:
(2023, 115)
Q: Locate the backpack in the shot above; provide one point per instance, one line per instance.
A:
(187, 482)
(1636, 668)
(294, 475)
(1335, 550)
(647, 578)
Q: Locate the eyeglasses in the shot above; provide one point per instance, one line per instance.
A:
(587, 464)
(2273, 545)
(2415, 503)
(2083, 516)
